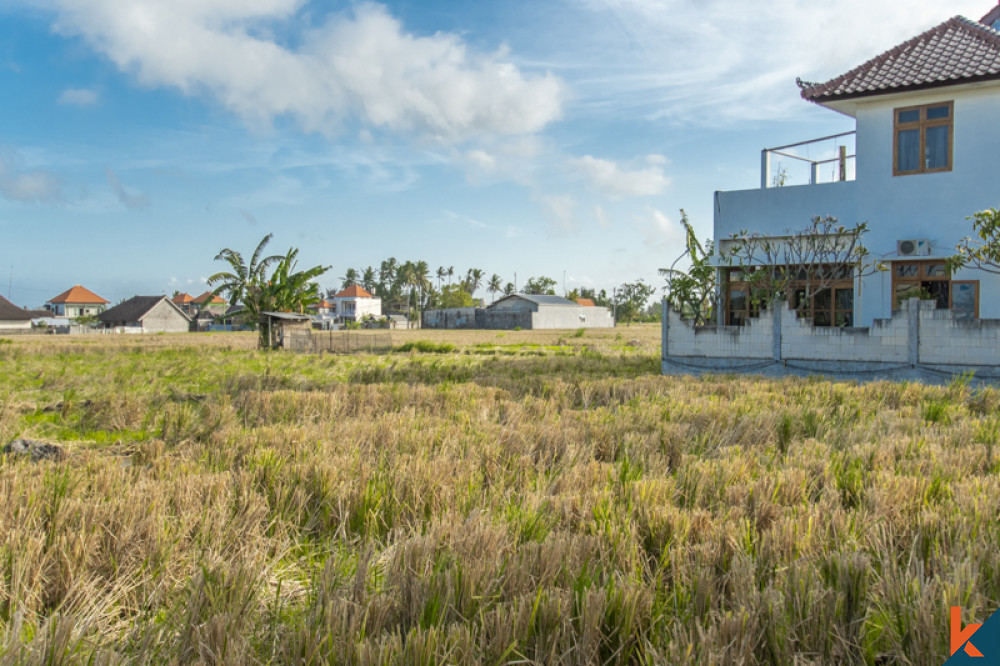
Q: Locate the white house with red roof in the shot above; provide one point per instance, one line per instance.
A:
(77, 301)
(356, 303)
(924, 156)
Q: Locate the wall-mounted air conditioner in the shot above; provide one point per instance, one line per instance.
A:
(914, 247)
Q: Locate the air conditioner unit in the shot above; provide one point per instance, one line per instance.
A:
(913, 247)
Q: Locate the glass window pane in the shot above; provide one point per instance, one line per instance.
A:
(822, 300)
(737, 299)
(908, 150)
(935, 112)
(909, 116)
(821, 318)
(845, 299)
(939, 292)
(936, 156)
(936, 270)
(907, 270)
(963, 300)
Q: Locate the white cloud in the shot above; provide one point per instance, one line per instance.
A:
(362, 66)
(614, 181)
(724, 61)
(482, 160)
(602, 217)
(659, 230)
(18, 183)
(132, 200)
(78, 97)
(558, 212)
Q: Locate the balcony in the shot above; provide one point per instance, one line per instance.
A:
(824, 160)
(798, 181)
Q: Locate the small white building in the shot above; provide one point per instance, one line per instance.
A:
(77, 301)
(356, 303)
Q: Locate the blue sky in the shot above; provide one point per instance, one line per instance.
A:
(139, 137)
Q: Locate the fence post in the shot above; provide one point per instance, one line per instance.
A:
(913, 331)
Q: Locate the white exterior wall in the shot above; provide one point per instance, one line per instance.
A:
(164, 318)
(755, 340)
(570, 316)
(362, 307)
(933, 206)
(935, 336)
(946, 341)
(886, 341)
(20, 324)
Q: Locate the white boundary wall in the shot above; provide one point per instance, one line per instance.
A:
(917, 337)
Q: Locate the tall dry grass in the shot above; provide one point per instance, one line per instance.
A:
(544, 499)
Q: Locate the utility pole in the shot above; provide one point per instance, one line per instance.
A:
(564, 283)
(515, 282)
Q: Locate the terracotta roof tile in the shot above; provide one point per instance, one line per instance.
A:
(216, 300)
(78, 294)
(586, 302)
(354, 291)
(957, 51)
(183, 299)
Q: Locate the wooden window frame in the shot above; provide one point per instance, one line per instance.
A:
(750, 311)
(922, 124)
(922, 278)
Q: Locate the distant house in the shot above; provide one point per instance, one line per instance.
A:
(77, 301)
(214, 304)
(185, 302)
(13, 317)
(146, 314)
(524, 311)
(586, 302)
(539, 311)
(356, 303)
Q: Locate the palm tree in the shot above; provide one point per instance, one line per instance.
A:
(422, 274)
(442, 273)
(451, 274)
(350, 278)
(243, 284)
(368, 279)
(405, 276)
(474, 280)
(494, 286)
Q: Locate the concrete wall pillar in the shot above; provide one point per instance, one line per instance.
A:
(776, 313)
(664, 329)
(913, 331)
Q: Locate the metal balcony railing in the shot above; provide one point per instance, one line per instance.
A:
(841, 159)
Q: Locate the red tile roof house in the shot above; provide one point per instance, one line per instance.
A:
(924, 156)
(77, 301)
(356, 303)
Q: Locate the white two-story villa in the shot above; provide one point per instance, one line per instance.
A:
(923, 157)
(926, 156)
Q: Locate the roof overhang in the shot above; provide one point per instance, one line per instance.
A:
(849, 104)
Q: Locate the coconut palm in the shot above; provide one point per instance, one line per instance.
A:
(495, 286)
(350, 278)
(474, 280)
(368, 280)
